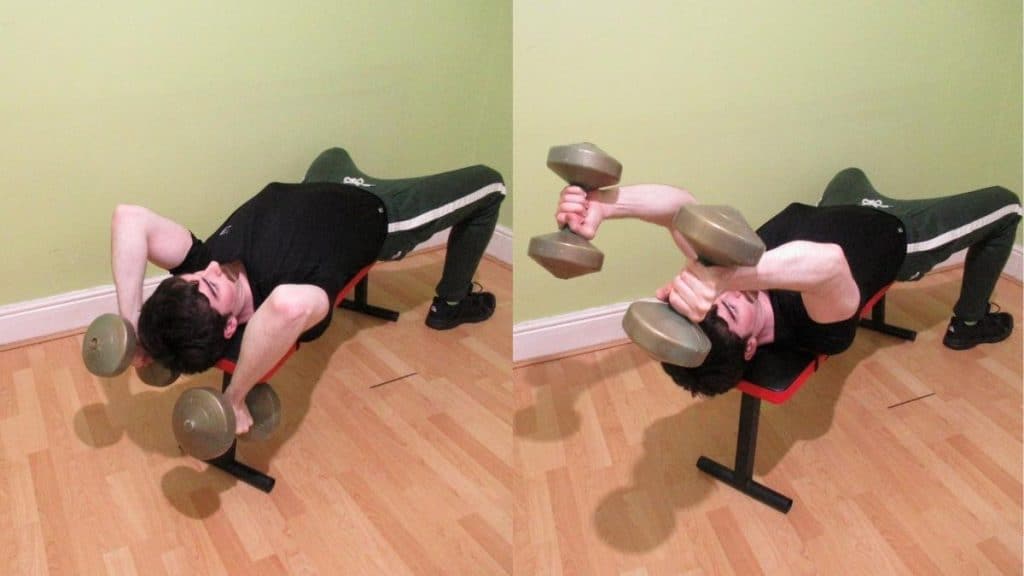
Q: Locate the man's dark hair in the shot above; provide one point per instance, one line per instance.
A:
(722, 369)
(179, 329)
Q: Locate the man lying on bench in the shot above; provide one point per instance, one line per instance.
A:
(822, 265)
(279, 261)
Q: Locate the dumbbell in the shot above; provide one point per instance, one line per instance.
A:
(564, 253)
(721, 237)
(108, 349)
(204, 422)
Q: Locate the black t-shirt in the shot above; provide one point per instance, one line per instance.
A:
(310, 233)
(874, 244)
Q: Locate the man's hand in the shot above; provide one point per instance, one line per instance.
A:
(580, 211)
(141, 358)
(694, 290)
(243, 419)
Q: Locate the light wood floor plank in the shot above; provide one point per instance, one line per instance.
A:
(901, 457)
(412, 477)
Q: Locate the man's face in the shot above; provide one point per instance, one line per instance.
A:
(740, 311)
(220, 286)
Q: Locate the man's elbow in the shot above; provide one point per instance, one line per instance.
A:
(841, 295)
(289, 310)
(294, 312)
(126, 214)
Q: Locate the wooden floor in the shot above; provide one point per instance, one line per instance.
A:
(410, 451)
(414, 476)
(902, 458)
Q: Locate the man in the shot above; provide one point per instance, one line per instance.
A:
(277, 264)
(822, 266)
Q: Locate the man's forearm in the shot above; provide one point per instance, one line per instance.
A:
(655, 203)
(128, 254)
(819, 272)
(272, 331)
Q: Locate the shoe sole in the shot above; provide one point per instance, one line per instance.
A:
(440, 326)
(972, 344)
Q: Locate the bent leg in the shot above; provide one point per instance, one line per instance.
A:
(332, 165)
(984, 222)
(465, 200)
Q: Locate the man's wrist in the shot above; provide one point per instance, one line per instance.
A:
(232, 396)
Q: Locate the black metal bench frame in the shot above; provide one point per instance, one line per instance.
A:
(740, 476)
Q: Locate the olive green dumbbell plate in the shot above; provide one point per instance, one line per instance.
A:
(584, 165)
(265, 408)
(108, 346)
(665, 334)
(203, 423)
(156, 374)
(719, 234)
(565, 254)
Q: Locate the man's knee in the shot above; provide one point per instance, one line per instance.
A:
(851, 174)
(999, 196)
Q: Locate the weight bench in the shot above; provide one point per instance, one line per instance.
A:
(227, 462)
(775, 374)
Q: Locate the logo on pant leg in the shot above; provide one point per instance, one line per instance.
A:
(356, 182)
(873, 203)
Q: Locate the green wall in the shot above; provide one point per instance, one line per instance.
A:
(190, 107)
(754, 104)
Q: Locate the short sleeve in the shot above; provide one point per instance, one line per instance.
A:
(198, 258)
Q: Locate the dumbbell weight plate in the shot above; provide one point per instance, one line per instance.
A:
(203, 423)
(108, 346)
(665, 334)
(719, 234)
(156, 374)
(584, 165)
(565, 254)
(265, 408)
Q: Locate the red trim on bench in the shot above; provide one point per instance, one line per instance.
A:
(874, 300)
(229, 366)
(778, 397)
(352, 284)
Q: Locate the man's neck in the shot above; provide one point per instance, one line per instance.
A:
(245, 312)
(765, 333)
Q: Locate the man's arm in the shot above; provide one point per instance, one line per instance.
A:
(818, 271)
(290, 310)
(655, 203)
(138, 235)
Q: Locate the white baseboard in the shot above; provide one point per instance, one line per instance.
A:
(561, 335)
(37, 319)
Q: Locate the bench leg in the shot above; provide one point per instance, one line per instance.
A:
(878, 324)
(359, 303)
(741, 477)
(247, 474)
(229, 464)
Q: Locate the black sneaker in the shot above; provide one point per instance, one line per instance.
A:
(475, 307)
(993, 327)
